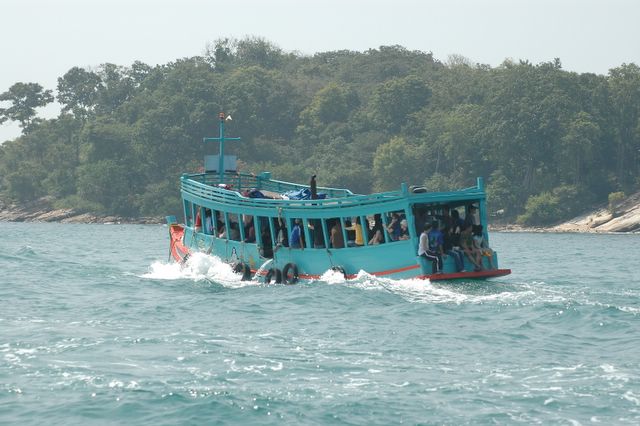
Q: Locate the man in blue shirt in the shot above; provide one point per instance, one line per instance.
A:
(295, 238)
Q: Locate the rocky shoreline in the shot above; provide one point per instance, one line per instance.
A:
(42, 210)
(625, 218)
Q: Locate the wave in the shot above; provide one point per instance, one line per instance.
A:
(202, 267)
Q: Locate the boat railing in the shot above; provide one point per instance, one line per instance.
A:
(205, 187)
(244, 181)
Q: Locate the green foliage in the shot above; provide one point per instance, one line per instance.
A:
(615, 198)
(549, 142)
(548, 207)
(24, 99)
(541, 209)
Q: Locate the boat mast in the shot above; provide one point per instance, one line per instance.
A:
(221, 139)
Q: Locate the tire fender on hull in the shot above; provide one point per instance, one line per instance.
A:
(244, 270)
(290, 273)
(273, 274)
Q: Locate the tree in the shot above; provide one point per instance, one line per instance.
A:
(393, 163)
(24, 99)
(394, 100)
(78, 92)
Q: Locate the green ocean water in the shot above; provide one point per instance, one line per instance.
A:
(97, 327)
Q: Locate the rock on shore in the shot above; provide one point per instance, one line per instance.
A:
(625, 218)
(42, 210)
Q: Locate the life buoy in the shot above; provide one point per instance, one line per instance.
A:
(339, 269)
(244, 270)
(273, 273)
(290, 273)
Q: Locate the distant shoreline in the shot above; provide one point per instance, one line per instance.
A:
(41, 211)
(625, 221)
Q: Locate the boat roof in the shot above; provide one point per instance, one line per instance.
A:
(206, 189)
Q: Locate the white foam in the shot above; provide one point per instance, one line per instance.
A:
(198, 267)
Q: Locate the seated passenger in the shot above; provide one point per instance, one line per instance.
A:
(404, 230)
(234, 234)
(377, 238)
(466, 242)
(357, 228)
(428, 248)
(337, 240)
(481, 245)
(394, 227)
(377, 228)
(295, 239)
(266, 250)
(249, 229)
(470, 216)
(208, 223)
(452, 248)
(198, 224)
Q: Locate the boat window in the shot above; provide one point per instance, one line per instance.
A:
(207, 226)
(234, 227)
(281, 231)
(218, 223)
(317, 228)
(336, 233)
(396, 225)
(297, 237)
(198, 213)
(265, 241)
(375, 234)
(355, 229)
(248, 229)
(188, 213)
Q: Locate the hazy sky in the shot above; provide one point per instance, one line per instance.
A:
(40, 40)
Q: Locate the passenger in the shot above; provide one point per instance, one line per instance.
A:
(404, 230)
(295, 239)
(466, 242)
(208, 223)
(249, 229)
(377, 226)
(235, 231)
(313, 186)
(481, 245)
(436, 242)
(357, 228)
(456, 222)
(424, 249)
(470, 216)
(318, 237)
(266, 250)
(198, 224)
(281, 233)
(337, 239)
(452, 248)
(394, 227)
(377, 238)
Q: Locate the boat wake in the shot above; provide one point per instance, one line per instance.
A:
(198, 267)
(202, 267)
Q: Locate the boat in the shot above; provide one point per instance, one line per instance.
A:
(282, 232)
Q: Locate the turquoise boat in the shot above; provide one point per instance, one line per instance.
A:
(277, 231)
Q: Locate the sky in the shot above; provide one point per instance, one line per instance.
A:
(40, 40)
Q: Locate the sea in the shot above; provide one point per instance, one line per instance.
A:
(97, 326)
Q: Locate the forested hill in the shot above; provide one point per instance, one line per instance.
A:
(550, 143)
